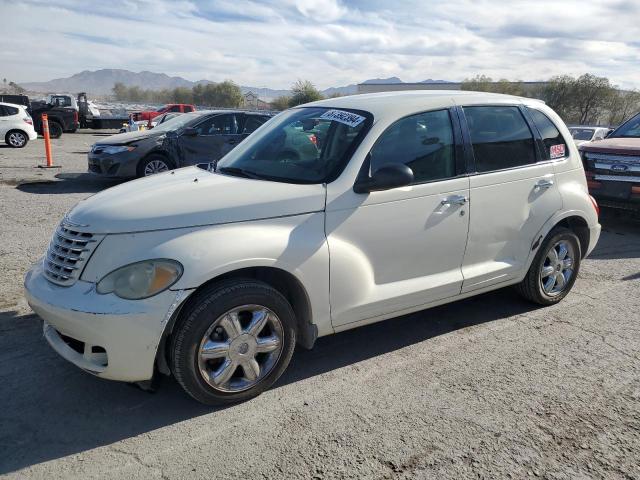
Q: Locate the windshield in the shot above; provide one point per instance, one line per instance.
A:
(177, 122)
(631, 128)
(301, 145)
(582, 133)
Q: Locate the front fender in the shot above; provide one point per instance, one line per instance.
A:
(296, 244)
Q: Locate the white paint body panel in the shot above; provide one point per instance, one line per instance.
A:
(360, 257)
(16, 122)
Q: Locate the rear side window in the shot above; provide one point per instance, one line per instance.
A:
(554, 143)
(252, 123)
(423, 142)
(10, 110)
(188, 108)
(500, 137)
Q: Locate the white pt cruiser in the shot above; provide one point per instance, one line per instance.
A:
(214, 273)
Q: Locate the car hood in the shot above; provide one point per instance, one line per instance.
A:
(128, 137)
(614, 145)
(190, 197)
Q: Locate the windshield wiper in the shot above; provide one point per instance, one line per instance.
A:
(239, 172)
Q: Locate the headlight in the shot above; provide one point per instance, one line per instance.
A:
(142, 279)
(117, 149)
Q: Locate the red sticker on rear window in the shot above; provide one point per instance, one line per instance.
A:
(556, 151)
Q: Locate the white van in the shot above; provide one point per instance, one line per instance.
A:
(414, 199)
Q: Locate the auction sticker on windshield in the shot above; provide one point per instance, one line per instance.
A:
(348, 118)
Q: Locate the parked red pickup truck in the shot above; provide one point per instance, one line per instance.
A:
(612, 167)
(170, 107)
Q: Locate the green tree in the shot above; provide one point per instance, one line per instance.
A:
(120, 91)
(303, 91)
(622, 105)
(482, 83)
(281, 103)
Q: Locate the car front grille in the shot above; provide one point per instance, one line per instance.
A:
(68, 251)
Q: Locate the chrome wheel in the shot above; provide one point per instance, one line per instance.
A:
(557, 269)
(240, 348)
(155, 166)
(17, 139)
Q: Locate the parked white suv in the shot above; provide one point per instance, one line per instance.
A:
(16, 125)
(414, 199)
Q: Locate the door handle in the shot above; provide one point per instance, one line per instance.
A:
(543, 184)
(454, 200)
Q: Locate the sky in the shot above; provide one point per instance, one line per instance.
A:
(330, 42)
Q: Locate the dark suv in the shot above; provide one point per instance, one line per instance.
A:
(189, 139)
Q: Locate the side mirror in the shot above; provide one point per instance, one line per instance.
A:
(190, 132)
(388, 176)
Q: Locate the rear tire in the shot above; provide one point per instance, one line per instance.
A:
(153, 164)
(55, 130)
(554, 268)
(233, 341)
(16, 139)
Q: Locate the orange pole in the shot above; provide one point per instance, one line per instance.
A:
(47, 139)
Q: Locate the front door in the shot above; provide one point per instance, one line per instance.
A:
(215, 137)
(514, 194)
(402, 248)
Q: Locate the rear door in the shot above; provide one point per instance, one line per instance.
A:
(4, 122)
(216, 135)
(513, 191)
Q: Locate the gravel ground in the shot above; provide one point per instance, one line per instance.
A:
(490, 387)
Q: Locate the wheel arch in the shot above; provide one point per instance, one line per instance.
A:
(9, 132)
(283, 281)
(580, 227)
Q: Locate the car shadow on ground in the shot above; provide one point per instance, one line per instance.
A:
(68, 183)
(51, 409)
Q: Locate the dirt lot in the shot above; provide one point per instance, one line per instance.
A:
(490, 387)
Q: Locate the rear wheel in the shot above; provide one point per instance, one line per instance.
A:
(154, 164)
(554, 268)
(55, 130)
(16, 139)
(233, 341)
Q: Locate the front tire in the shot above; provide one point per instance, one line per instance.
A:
(154, 164)
(554, 269)
(16, 139)
(233, 341)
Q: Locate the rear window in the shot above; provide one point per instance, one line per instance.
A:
(554, 143)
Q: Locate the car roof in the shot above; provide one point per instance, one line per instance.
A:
(247, 112)
(17, 105)
(399, 103)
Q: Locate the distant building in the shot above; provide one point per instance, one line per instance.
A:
(394, 87)
(251, 100)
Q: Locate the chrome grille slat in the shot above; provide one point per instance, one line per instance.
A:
(68, 251)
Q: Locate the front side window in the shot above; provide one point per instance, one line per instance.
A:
(174, 108)
(218, 125)
(423, 142)
(500, 137)
(188, 108)
(300, 145)
(554, 144)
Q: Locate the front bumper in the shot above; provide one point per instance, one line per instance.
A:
(105, 335)
(119, 165)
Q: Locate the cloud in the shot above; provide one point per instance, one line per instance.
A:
(331, 42)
